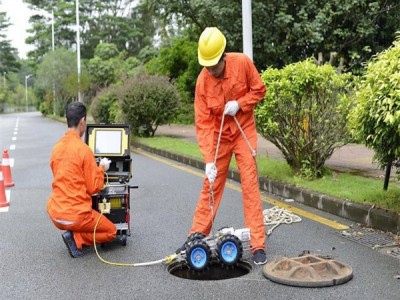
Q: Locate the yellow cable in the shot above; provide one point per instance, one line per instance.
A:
(168, 259)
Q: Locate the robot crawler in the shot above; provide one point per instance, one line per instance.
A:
(227, 245)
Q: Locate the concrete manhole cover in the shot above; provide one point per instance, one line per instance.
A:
(308, 271)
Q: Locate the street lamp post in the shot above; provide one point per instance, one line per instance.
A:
(247, 28)
(26, 91)
(52, 47)
(78, 49)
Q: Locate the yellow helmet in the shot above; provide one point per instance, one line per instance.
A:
(211, 46)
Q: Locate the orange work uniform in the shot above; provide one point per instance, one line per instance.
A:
(76, 178)
(240, 82)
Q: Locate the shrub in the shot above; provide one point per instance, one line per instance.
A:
(46, 107)
(102, 104)
(376, 117)
(304, 114)
(147, 101)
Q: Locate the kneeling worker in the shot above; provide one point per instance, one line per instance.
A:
(76, 178)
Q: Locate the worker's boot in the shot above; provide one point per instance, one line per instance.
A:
(71, 245)
(260, 257)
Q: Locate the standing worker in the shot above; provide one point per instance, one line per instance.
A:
(76, 178)
(228, 87)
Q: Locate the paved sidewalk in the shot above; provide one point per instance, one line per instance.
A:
(353, 158)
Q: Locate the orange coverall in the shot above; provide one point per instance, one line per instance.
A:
(241, 82)
(76, 178)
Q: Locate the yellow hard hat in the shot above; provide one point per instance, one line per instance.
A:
(211, 46)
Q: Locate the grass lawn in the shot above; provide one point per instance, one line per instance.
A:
(341, 185)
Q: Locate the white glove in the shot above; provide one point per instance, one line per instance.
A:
(231, 108)
(105, 162)
(211, 172)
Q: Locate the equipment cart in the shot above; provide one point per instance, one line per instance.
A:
(112, 141)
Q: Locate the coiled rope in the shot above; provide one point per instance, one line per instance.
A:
(276, 216)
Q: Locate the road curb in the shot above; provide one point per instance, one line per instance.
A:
(367, 215)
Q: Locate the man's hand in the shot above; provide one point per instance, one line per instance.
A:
(231, 108)
(105, 162)
(211, 172)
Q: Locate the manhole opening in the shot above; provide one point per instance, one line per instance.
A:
(215, 271)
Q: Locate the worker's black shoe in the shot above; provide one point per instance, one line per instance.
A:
(260, 257)
(71, 245)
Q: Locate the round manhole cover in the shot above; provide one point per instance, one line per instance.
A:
(215, 271)
(308, 271)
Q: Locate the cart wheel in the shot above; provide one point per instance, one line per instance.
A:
(198, 255)
(123, 239)
(229, 249)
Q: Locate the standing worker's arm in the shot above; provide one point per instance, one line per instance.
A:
(257, 88)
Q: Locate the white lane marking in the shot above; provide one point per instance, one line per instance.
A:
(11, 162)
(8, 197)
(12, 147)
(15, 132)
(14, 138)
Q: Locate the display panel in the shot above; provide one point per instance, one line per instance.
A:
(108, 142)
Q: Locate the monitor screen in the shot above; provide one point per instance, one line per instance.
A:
(108, 142)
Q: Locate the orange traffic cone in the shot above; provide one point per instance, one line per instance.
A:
(8, 182)
(3, 199)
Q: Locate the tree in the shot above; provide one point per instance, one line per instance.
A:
(8, 60)
(178, 61)
(304, 114)
(130, 27)
(376, 117)
(8, 54)
(102, 67)
(58, 69)
(348, 31)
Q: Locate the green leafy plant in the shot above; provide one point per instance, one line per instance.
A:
(57, 72)
(147, 101)
(304, 114)
(102, 105)
(178, 61)
(376, 117)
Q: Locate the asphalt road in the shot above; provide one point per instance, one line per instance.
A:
(35, 264)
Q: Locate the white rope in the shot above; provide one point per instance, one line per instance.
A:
(253, 151)
(211, 200)
(277, 215)
(219, 138)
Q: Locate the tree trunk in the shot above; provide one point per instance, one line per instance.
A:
(387, 175)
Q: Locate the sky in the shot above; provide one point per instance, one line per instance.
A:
(18, 14)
